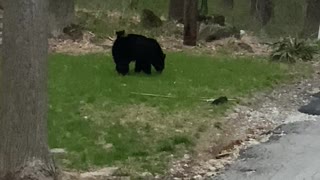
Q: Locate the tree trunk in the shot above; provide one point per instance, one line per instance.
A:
(204, 7)
(176, 10)
(61, 15)
(262, 10)
(133, 5)
(253, 8)
(190, 22)
(312, 18)
(228, 4)
(24, 152)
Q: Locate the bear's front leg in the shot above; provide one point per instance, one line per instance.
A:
(138, 67)
(122, 69)
(146, 68)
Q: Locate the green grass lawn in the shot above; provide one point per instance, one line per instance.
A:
(96, 117)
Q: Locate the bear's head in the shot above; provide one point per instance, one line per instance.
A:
(159, 66)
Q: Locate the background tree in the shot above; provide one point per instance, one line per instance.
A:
(133, 5)
(24, 153)
(176, 10)
(61, 15)
(262, 10)
(204, 8)
(190, 22)
(228, 4)
(312, 18)
(253, 8)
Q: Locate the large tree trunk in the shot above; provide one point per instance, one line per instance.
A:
(176, 10)
(312, 18)
(190, 22)
(262, 10)
(24, 152)
(61, 15)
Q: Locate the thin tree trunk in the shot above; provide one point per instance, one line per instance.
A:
(24, 152)
(190, 22)
(253, 8)
(262, 10)
(312, 18)
(176, 10)
(61, 15)
(204, 8)
(228, 4)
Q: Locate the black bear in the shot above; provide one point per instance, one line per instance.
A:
(146, 52)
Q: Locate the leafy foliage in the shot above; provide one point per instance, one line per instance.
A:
(290, 50)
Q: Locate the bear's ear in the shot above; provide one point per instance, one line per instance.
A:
(120, 33)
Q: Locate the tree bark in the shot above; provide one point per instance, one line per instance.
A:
(253, 8)
(262, 10)
(312, 18)
(176, 10)
(24, 152)
(228, 4)
(190, 22)
(61, 15)
(204, 8)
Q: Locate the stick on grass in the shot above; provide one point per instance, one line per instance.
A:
(153, 95)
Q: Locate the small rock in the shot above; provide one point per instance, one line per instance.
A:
(314, 91)
(147, 175)
(210, 174)
(212, 161)
(69, 176)
(211, 168)
(186, 156)
(198, 177)
(233, 115)
(108, 146)
(99, 175)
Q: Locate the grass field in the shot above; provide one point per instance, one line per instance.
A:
(96, 117)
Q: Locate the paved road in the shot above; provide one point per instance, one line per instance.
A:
(293, 156)
(313, 107)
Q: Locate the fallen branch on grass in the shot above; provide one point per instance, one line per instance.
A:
(213, 99)
(153, 95)
(166, 96)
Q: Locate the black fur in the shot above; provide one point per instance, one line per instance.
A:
(133, 47)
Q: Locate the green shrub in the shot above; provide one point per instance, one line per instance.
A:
(290, 50)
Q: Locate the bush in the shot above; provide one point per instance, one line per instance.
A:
(291, 50)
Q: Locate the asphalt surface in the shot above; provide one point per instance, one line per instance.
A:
(313, 108)
(292, 153)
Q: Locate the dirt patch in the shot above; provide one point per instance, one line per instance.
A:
(248, 45)
(79, 47)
